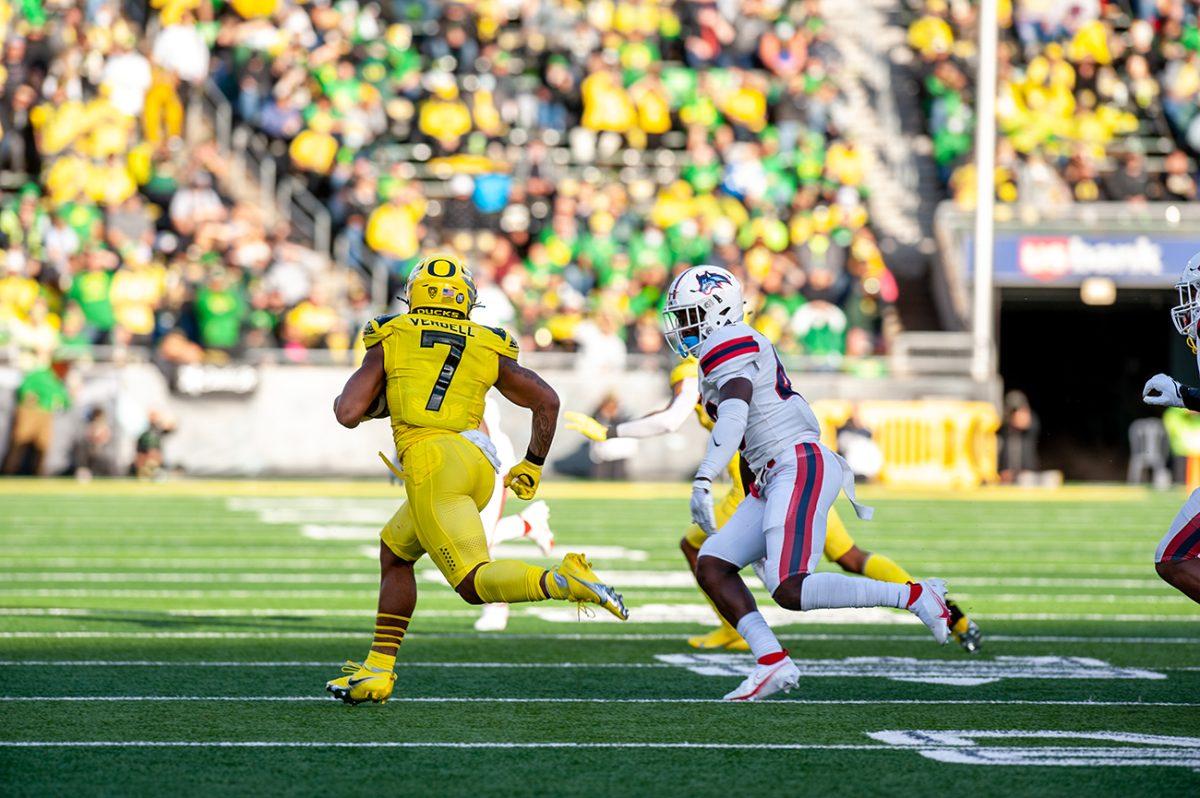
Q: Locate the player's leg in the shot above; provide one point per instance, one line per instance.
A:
(533, 522)
(841, 549)
(449, 480)
(1177, 559)
(796, 519)
(722, 556)
(494, 617)
(374, 678)
(724, 636)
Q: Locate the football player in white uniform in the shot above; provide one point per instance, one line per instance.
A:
(745, 389)
(533, 522)
(1177, 559)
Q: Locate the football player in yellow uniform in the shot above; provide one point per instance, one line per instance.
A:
(839, 546)
(434, 366)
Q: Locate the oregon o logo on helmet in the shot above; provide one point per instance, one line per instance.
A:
(432, 267)
(707, 282)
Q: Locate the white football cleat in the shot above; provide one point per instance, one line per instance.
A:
(494, 618)
(931, 608)
(767, 680)
(537, 516)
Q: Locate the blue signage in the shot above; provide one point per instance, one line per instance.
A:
(1063, 260)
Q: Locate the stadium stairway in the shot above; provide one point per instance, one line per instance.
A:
(884, 117)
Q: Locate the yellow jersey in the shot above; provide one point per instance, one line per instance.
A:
(437, 370)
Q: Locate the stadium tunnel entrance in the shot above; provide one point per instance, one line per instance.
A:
(1083, 367)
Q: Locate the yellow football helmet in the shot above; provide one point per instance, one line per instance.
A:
(441, 285)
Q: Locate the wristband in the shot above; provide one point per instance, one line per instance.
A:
(533, 458)
(1190, 397)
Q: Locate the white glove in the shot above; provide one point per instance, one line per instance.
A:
(702, 506)
(1163, 391)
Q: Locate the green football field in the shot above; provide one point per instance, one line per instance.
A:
(176, 638)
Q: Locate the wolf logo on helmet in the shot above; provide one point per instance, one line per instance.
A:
(708, 282)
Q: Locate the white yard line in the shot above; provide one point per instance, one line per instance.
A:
(405, 744)
(662, 579)
(799, 637)
(572, 700)
(222, 612)
(134, 663)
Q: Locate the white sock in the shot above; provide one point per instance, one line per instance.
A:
(755, 631)
(828, 591)
(510, 527)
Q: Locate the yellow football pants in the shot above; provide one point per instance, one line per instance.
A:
(448, 481)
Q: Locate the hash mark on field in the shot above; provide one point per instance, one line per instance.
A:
(573, 700)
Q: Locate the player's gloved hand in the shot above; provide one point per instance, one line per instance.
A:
(702, 505)
(1163, 391)
(586, 426)
(523, 478)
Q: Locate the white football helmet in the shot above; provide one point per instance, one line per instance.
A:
(1187, 313)
(699, 301)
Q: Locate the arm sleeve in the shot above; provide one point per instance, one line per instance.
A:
(727, 433)
(666, 420)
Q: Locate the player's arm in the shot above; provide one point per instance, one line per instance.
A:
(1164, 390)
(733, 413)
(660, 422)
(360, 390)
(526, 389)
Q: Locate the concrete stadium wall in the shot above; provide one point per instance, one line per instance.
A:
(286, 427)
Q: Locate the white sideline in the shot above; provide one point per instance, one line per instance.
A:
(564, 700)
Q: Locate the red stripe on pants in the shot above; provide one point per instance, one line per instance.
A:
(789, 523)
(1188, 529)
(810, 514)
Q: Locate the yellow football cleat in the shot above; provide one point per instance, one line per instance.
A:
(362, 684)
(586, 588)
(725, 637)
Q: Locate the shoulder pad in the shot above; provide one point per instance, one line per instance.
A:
(373, 331)
(508, 342)
(732, 349)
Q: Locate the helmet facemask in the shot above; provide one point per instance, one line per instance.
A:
(1186, 314)
(682, 328)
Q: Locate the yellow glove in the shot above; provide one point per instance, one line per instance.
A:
(523, 478)
(586, 426)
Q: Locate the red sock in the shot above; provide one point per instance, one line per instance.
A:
(772, 658)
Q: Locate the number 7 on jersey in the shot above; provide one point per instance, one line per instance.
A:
(456, 343)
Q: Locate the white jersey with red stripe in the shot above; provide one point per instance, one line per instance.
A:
(779, 417)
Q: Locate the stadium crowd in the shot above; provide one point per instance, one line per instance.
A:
(577, 153)
(1097, 100)
(580, 153)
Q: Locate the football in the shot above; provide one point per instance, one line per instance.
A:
(378, 407)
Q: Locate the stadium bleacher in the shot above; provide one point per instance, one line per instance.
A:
(580, 153)
(1096, 100)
